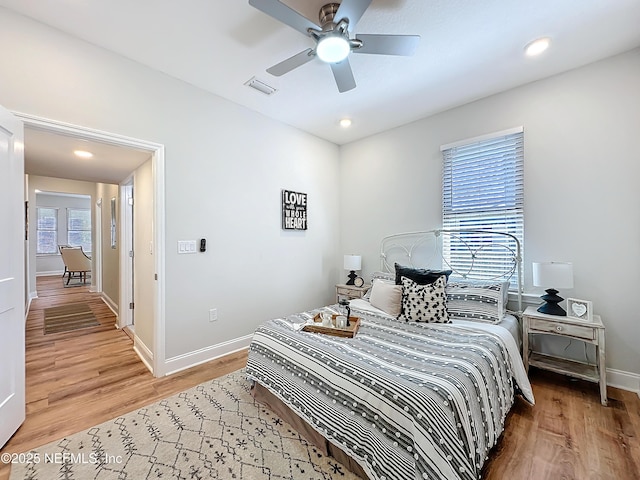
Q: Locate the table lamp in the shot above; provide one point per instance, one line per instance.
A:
(552, 275)
(352, 263)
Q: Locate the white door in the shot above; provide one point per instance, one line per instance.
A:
(12, 285)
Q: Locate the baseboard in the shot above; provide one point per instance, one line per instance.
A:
(623, 380)
(50, 273)
(113, 306)
(191, 359)
(143, 352)
(27, 307)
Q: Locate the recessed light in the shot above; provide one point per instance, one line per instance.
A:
(538, 46)
(82, 154)
(345, 122)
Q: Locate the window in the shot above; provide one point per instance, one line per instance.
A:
(79, 228)
(483, 188)
(47, 231)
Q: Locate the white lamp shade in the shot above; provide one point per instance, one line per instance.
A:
(352, 262)
(553, 274)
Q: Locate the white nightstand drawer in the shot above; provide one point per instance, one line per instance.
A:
(345, 291)
(350, 292)
(540, 325)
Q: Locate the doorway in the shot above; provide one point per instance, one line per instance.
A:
(155, 343)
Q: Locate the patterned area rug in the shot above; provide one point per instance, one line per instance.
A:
(68, 317)
(213, 431)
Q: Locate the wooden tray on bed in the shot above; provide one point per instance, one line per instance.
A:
(349, 332)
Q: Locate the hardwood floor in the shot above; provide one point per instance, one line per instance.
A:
(78, 379)
(568, 434)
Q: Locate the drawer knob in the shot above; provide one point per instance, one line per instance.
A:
(559, 328)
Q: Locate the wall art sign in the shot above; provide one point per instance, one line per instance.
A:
(294, 210)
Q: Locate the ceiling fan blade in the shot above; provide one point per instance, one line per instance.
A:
(291, 63)
(352, 10)
(283, 13)
(388, 44)
(343, 75)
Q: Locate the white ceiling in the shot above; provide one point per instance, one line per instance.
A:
(469, 49)
(51, 155)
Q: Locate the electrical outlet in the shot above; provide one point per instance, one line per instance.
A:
(213, 314)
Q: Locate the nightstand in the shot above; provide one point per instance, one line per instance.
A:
(350, 291)
(589, 332)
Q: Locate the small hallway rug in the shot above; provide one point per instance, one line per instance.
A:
(213, 431)
(68, 317)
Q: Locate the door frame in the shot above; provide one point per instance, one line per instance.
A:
(125, 314)
(97, 246)
(158, 178)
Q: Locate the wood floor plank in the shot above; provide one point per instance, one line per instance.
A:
(78, 379)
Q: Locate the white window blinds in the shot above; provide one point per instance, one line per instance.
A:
(47, 230)
(483, 189)
(79, 228)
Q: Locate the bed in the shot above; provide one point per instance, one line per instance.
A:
(406, 397)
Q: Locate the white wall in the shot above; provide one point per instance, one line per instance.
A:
(110, 256)
(143, 260)
(225, 167)
(582, 165)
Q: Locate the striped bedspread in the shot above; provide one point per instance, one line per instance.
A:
(407, 401)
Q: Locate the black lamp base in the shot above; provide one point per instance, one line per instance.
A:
(352, 278)
(551, 307)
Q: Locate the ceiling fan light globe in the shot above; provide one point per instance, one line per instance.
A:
(333, 49)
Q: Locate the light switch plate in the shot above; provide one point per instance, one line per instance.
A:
(186, 246)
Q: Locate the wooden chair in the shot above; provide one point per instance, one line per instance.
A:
(75, 262)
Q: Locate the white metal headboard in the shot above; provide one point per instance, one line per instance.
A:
(475, 249)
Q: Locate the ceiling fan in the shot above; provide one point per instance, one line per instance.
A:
(333, 39)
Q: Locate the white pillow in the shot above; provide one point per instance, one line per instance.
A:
(387, 277)
(386, 296)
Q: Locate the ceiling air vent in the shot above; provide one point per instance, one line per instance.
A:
(259, 85)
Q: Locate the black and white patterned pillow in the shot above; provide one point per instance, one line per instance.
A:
(424, 303)
(477, 301)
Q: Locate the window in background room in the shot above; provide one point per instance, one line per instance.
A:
(79, 228)
(47, 231)
(483, 189)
